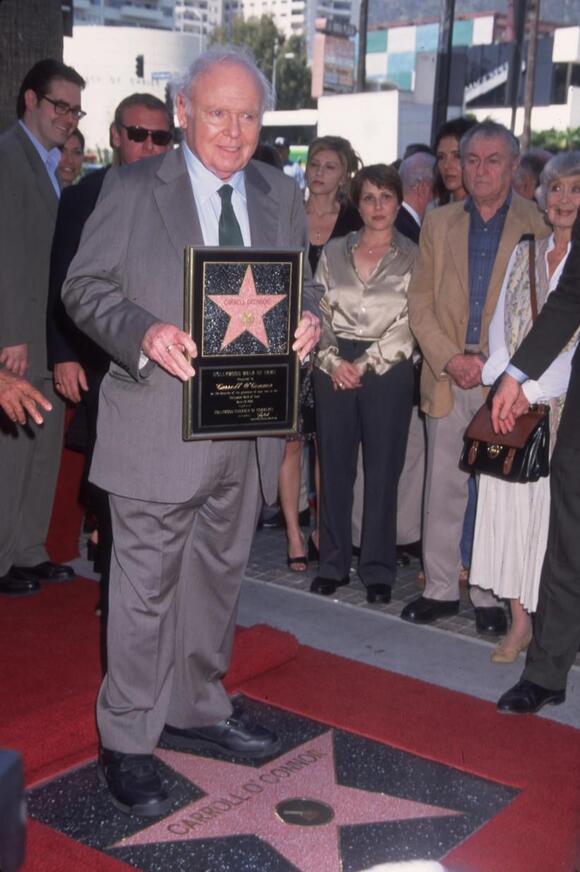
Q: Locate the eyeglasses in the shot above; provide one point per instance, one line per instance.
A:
(140, 134)
(62, 108)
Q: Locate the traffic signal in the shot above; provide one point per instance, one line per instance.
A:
(139, 65)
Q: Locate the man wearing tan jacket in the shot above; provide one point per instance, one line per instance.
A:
(464, 251)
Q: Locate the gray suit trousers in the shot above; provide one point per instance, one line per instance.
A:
(176, 573)
(29, 461)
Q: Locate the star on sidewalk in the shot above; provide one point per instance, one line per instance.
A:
(246, 310)
(243, 801)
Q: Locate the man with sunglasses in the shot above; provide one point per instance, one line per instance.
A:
(142, 128)
(184, 513)
(48, 109)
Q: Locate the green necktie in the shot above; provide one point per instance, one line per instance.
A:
(229, 229)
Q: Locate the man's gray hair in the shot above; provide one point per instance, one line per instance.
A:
(490, 129)
(223, 54)
(558, 167)
(419, 167)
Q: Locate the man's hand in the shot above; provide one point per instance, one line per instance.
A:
(307, 335)
(465, 370)
(18, 398)
(15, 358)
(506, 404)
(69, 379)
(168, 346)
(346, 376)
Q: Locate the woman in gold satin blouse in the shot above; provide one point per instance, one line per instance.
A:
(363, 382)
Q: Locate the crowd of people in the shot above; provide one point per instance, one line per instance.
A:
(422, 280)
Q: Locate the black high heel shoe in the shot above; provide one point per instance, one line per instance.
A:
(313, 552)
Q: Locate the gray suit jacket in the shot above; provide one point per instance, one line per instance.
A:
(27, 219)
(127, 275)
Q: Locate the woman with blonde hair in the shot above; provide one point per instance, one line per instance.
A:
(330, 166)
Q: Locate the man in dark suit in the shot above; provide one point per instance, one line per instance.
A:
(184, 513)
(142, 128)
(48, 109)
(417, 176)
(557, 625)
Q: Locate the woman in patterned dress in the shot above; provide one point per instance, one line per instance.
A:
(512, 519)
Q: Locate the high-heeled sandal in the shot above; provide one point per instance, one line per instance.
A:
(503, 653)
(297, 564)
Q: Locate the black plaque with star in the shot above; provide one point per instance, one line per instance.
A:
(241, 308)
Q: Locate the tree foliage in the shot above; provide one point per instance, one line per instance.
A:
(557, 140)
(266, 42)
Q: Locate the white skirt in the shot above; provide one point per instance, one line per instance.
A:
(511, 532)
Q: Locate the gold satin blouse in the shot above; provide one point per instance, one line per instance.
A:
(372, 311)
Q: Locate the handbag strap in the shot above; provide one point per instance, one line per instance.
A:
(532, 269)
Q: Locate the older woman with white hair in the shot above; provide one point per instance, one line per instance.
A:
(512, 519)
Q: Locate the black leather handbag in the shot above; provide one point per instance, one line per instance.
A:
(522, 455)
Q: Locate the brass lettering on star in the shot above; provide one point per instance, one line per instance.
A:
(244, 793)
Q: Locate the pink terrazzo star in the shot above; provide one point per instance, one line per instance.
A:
(246, 310)
(242, 801)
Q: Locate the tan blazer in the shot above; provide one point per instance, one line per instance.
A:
(439, 291)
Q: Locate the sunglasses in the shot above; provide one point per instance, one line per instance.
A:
(140, 134)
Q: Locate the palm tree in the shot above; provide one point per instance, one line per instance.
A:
(30, 30)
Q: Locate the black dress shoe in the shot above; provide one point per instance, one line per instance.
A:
(134, 783)
(14, 586)
(412, 549)
(526, 698)
(378, 593)
(327, 586)
(424, 610)
(232, 738)
(46, 571)
(490, 621)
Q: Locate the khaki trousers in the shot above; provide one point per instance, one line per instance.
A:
(446, 495)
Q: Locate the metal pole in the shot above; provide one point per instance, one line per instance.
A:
(515, 67)
(530, 73)
(443, 68)
(361, 70)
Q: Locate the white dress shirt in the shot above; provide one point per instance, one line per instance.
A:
(554, 381)
(50, 159)
(205, 188)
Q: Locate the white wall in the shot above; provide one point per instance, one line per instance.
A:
(370, 121)
(543, 117)
(105, 57)
(566, 45)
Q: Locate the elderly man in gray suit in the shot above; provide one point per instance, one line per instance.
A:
(48, 109)
(183, 513)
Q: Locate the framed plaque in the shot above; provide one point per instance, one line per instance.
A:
(241, 308)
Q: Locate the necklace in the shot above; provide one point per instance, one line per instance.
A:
(376, 247)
